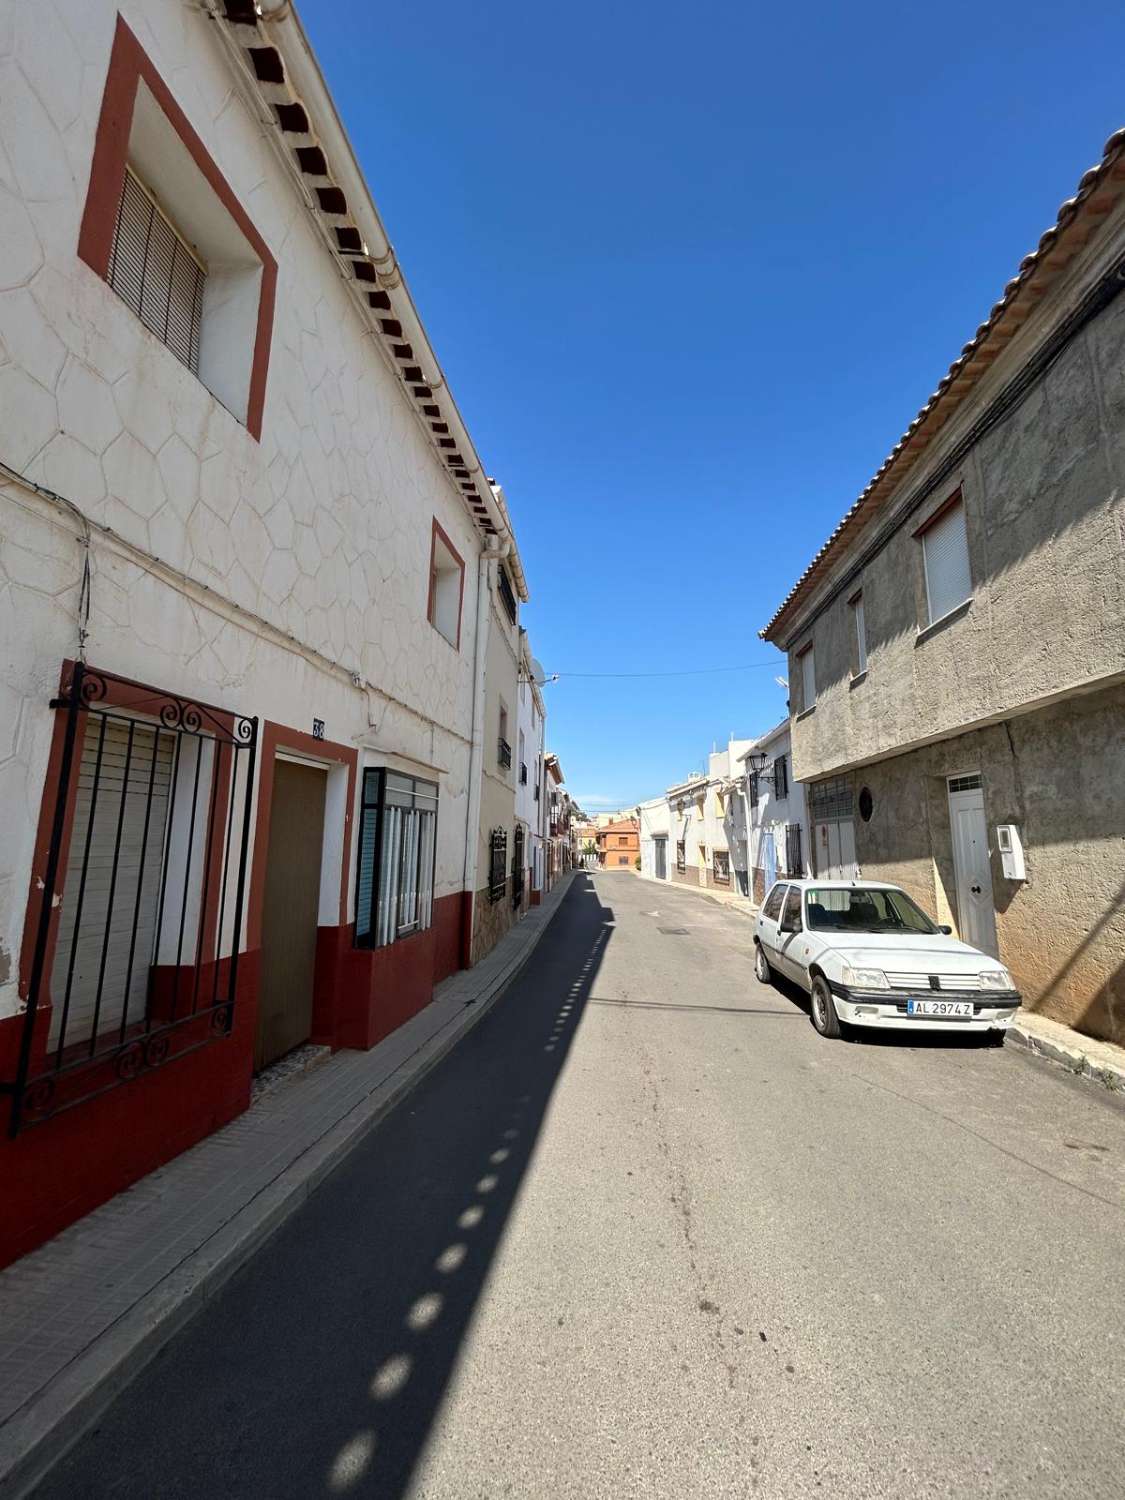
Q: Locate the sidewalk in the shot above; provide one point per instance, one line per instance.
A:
(732, 899)
(80, 1316)
(1102, 1062)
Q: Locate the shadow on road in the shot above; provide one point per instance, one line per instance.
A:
(320, 1368)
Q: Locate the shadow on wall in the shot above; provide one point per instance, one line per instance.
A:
(320, 1368)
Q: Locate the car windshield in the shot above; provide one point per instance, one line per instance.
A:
(853, 910)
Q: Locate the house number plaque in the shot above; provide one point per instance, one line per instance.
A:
(318, 729)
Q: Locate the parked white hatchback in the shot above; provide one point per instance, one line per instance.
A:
(868, 956)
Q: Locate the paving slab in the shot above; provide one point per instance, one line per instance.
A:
(81, 1315)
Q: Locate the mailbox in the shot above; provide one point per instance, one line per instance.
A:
(1011, 851)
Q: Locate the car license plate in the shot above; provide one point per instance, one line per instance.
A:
(948, 1009)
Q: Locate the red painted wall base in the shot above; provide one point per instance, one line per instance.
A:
(58, 1170)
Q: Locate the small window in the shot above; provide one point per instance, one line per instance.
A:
(772, 908)
(397, 838)
(945, 553)
(507, 593)
(155, 271)
(447, 581)
(860, 635)
(808, 679)
(781, 777)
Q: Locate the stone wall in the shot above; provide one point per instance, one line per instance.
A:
(1058, 774)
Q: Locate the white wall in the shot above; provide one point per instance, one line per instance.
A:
(285, 565)
(773, 813)
(655, 819)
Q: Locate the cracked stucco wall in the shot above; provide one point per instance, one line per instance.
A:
(323, 529)
(1058, 775)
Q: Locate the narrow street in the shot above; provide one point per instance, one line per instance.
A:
(644, 1233)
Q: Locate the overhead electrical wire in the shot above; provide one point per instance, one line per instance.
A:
(689, 672)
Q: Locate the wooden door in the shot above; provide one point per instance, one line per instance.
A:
(290, 911)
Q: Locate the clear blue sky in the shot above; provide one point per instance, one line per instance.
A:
(691, 271)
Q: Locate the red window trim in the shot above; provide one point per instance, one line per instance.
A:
(128, 65)
(440, 531)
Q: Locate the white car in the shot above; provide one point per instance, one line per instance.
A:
(868, 956)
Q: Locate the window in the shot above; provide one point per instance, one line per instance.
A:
(792, 912)
(945, 554)
(808, 679)
(503, 749)
(781, 777)
(772, 908)
(830, 799)
(507, 594)
(860, 635)
(497, 865)
(395, 881)
(681, 856)
(794, 861)
(622, 840)
(154, 271)
(168, 233)
(843, 909)
(447, 587)
(622, 859)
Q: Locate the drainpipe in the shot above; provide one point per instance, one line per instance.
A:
(492, 552)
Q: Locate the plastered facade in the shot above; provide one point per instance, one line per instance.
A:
(272, 576)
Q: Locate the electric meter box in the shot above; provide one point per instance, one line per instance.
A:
(1011, 851)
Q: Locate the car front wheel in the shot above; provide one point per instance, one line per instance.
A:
(823, 1010)
(762, 969)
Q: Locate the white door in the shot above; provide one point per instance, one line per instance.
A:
(835, 849)
(976, 915)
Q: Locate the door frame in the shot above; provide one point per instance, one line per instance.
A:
(334, 925)
(958, 879)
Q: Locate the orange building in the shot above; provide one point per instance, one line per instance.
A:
(619, 844)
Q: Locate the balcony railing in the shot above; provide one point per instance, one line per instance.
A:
(504, 754)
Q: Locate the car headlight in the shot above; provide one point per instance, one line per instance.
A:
(996, 979)
(864, 979)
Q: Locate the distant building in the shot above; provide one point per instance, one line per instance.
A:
(619, 844)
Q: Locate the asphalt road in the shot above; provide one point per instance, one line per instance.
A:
(644, 1233)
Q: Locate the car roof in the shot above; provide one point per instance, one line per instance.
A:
(806, 882)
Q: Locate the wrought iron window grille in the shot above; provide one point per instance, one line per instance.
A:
(142, 896)
(507, 595)
(794, 860)
(504, 753)
(523, 774)
(498, 864)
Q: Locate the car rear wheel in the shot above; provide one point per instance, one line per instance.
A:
(823, 1010)
(762, 970)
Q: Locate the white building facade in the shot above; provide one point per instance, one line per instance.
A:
(657, 844)
(258, 598)
(776, 812)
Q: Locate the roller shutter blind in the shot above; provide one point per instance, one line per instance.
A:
(945, 548)
(116, 790)
(152, 269)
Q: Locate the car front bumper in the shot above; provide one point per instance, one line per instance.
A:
(888, 1008)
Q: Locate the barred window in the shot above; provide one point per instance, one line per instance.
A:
(156, 273)
(397, 840)
(781, 777)
(831, 799)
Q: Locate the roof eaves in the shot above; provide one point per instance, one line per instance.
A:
(1003, 322)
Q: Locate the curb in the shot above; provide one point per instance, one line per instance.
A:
(43, 1432)
(1072, 1056)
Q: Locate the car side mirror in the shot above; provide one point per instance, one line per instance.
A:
(946, 929)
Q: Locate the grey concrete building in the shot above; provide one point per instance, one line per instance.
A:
(957, 647)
